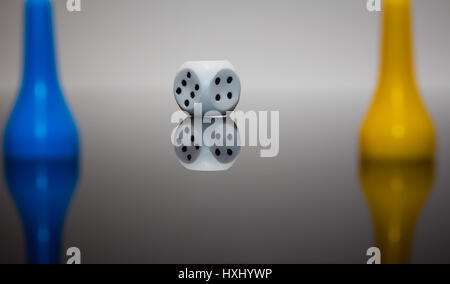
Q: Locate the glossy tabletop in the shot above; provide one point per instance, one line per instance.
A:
(135, 203)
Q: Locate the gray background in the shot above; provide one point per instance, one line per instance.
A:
(277, 45)
(314, 61)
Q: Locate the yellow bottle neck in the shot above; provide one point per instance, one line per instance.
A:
(397, 67)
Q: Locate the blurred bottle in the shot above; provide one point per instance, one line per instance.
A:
(396, 193)
(42, 191)
(40, 125)
(397, 126)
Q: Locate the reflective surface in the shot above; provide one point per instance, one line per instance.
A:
(135, 203)
(396, 193)
(210, 144)
(42, 191)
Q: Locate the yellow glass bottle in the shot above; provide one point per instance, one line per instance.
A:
(396, 193)
(397, 126)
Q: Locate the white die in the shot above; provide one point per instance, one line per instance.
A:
(213, 84)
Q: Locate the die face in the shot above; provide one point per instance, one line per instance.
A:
(187, 147)
(187, 89)
(204, 155)
(213, 84)
(225, 90)
(188, 154)
(225, 142)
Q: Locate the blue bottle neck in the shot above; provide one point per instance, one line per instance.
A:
(39, 51)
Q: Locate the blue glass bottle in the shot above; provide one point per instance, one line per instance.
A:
(41, 125)
(42, 191)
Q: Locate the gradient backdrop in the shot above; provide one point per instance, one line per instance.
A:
(316, 61)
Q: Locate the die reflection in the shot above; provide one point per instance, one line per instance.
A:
(396, 193)
(42, 191)
(211, 146)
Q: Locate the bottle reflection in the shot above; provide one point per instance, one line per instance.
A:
(212, 146)
(42, 191)
(396, 193)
